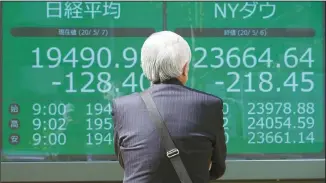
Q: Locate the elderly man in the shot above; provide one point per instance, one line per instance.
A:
(193, 118)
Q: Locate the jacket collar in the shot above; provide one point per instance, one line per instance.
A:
(170, 81)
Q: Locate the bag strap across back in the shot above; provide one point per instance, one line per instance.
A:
(171, 151)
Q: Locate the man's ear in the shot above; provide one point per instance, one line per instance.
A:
(185, 70)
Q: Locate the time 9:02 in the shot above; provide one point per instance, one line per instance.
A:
(87, 55)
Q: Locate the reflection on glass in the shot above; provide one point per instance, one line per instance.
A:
(64, 63)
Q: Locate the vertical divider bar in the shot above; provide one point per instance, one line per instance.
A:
(164, 15)
(1, 74)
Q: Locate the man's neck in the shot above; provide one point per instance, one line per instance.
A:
(170, 81)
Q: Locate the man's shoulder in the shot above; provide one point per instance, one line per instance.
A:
(135, 97)
(205, 95)
(126, 99)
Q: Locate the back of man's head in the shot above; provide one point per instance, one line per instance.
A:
(164, 55)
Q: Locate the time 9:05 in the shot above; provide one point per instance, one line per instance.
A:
(88, 57)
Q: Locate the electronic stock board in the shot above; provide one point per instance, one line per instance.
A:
(63, 63)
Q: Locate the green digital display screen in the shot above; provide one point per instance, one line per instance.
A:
(74, 57)
(268, 66)
(63, 63)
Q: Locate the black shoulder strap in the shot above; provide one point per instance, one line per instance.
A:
(171, 151)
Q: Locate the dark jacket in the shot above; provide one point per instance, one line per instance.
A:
(195, 122)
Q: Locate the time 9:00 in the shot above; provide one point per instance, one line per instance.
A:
(87, 55)
(49, 109)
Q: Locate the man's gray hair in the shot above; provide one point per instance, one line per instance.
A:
(163, 56)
